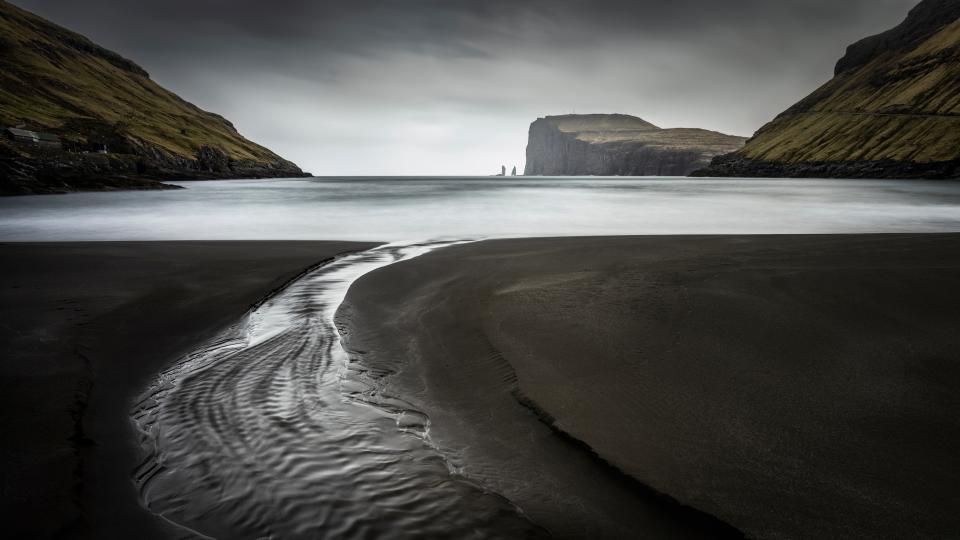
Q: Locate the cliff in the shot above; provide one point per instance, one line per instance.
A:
(117, 128)
(619, 145)
(892, 110)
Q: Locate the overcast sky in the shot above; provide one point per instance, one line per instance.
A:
(450, 86)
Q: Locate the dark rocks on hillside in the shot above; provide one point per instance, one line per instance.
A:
(734, 166)
(924, 20)
(146, 167)
(212, 160)
(72, 172)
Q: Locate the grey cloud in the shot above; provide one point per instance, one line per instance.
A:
(447, 86)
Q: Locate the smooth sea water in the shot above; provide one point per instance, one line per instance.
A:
(392, 209)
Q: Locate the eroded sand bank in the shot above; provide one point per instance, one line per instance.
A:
(790, 386)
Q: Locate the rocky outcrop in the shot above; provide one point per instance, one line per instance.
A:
(619, 145)
(925, 20)
(64, 171)
(892, 110)
(119, 129)
(734, 166)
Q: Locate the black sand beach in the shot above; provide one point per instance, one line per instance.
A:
(83, 328)
(670, 387)
(790, 386)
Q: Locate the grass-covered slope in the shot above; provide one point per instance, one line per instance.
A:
(55, 80)
(892, 110)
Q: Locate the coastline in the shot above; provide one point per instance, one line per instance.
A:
(22, 177)
(735, 166)
(83, 327)
(787, 385)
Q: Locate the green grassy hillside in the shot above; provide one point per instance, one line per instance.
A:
(55, 80)
(893, 107)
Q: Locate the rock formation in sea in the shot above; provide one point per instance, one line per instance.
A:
(76, 116)
(619, 145)
(892, 110)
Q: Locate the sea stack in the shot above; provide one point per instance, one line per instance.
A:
(891, 111)
(619, 145)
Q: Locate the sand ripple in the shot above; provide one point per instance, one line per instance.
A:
(270, 430)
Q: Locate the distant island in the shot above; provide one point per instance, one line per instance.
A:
(619, 145)
(891, 111)
(75, 116)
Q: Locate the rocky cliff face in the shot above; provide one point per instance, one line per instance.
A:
(57, 81)
(892, 110)
(619, 145)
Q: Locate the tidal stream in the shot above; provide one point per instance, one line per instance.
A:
(273, 430)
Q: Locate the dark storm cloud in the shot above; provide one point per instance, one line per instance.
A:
(448, 26)
(450, 86)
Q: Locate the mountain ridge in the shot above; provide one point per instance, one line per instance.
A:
(119, 129)
(891, 111)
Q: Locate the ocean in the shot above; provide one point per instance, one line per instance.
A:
(413, 209)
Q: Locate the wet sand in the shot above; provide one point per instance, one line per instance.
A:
(787, 386)
(83, 328)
